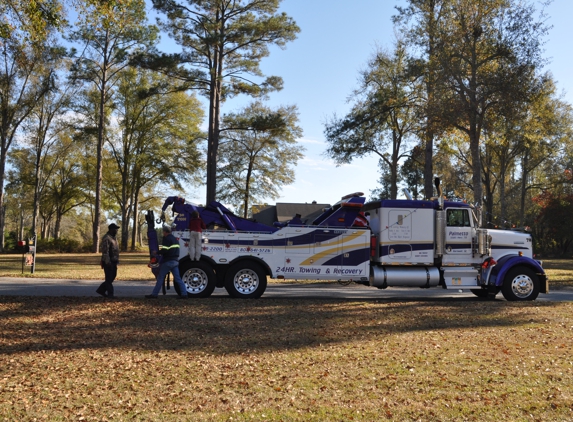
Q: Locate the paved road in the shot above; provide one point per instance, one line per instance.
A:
(51, 287)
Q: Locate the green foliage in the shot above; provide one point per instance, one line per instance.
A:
(62, 183)
(155, 140)
(61, 245)
(258, 153)
(222, 45)
(30, 21)
(11, 242)
(112, 32)
(29, 56)
(553, 223)
(233, 35)
(488, 54)
(382, 118)
(412, 171)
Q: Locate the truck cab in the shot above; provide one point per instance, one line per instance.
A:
(431, 243)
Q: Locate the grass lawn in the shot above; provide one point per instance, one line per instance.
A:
(560, 272)
(221, 359)
(86, 266)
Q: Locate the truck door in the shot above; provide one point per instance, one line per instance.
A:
(459, 232)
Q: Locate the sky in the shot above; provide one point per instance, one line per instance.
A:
(320, 70)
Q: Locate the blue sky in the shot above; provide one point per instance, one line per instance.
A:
(320, 70)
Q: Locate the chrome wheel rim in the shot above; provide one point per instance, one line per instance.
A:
(195, 280)
(522, 286)
(246, 281)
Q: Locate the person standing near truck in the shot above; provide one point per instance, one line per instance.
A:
(170, 263)
(196, 227)
(109, 260)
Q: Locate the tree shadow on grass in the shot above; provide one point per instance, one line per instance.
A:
(221, 325)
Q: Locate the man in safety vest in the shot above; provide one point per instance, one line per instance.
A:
(170, 263)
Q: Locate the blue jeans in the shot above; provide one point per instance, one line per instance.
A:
(164, 269)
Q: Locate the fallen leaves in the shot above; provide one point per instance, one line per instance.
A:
(72, 358)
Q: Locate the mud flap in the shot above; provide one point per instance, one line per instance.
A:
(543, 283)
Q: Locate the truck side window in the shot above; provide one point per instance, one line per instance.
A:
(458, 218)
(466, 220)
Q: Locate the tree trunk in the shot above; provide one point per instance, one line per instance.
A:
(212, 145)
(2, 218)
(57, 225)
(429, 135)
(502, 200)
(135, 230)
(99, 171)
(474, 135)
(140, 234)
(488, 196)
(37, 176)
(126, 192)
(21, 231)
(214, 114)
(428, 166)
(247, 188)
(124, 213)
(524, 173)
(476, 169)
(396, 142)
(45, 228)
(99, 152)
(3, 155)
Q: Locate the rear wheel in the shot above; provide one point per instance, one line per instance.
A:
(246, 280)
(198, 277)
(520, 283)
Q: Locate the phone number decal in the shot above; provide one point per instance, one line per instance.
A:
(250, 249)
(213, 249)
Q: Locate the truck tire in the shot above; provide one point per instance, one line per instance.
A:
(520, 283)
(246, 280)
(198, 277)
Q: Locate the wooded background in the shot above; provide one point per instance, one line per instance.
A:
(97, 124)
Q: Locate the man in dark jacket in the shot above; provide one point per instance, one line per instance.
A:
(109, 261)
(170, 263)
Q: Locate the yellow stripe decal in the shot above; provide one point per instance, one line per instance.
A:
(316, 257)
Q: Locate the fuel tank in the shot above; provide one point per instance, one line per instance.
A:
(387, 276)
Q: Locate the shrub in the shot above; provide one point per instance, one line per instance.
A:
(58, 245)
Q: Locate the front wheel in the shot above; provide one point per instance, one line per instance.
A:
(520, 283)
(246, 280)
(198, 277)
